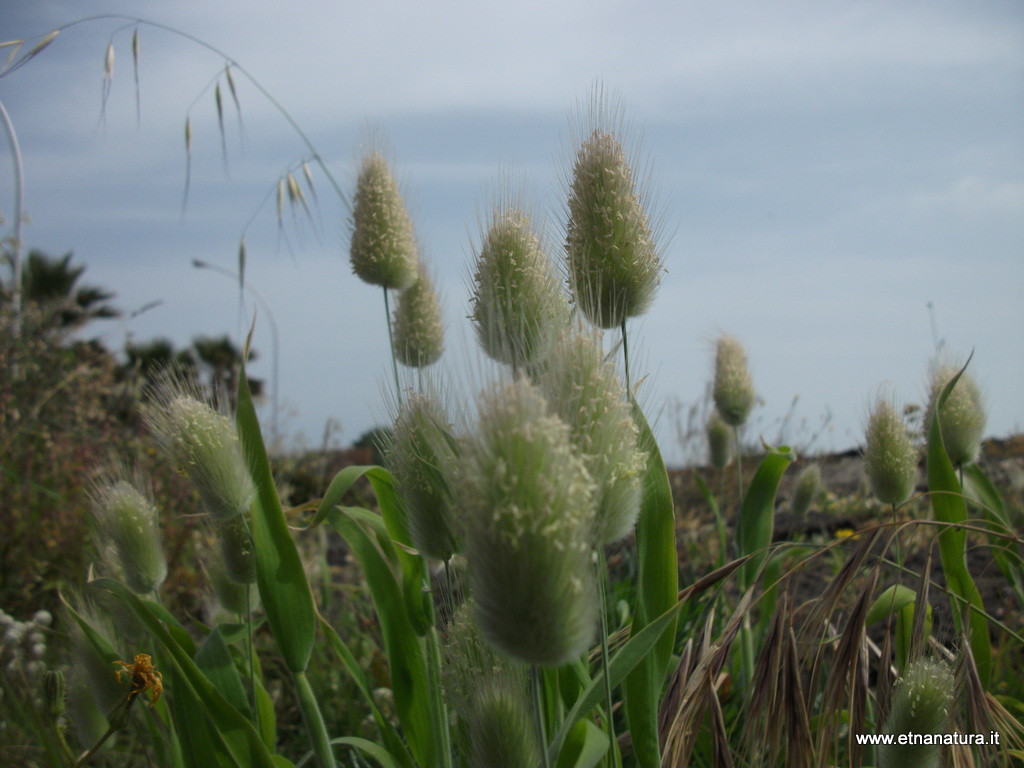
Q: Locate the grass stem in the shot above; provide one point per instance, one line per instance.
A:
(625, 359)
(614, 758)
(538, 714)
(391, 346)
(314, 720)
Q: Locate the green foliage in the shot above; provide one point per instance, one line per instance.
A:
(351, 651)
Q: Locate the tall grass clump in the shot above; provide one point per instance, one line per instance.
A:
(560, 464)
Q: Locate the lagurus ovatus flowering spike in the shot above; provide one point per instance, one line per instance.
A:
(204, 445)
(127, 518)
(719, 441)
(733, 388)
(422, 459)
(517, 307)
(890, 456)
(528, 507)
(489, 694)
(962, 416)
(418, 329)
(922, 701)
(583, 388)
(383, 247)
(614, 266)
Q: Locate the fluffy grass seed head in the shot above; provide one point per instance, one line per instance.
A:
(127, 517)
(733, 388)
(422, 459)
(614, 266)
(720, 439)
(418, 328)
(383, 247)
(528, 506)
(204, 445)
(517, 307)
(890, 456)
(583, 388)
(489, 694)
(962, 416)
(806, 489)
(921, 704)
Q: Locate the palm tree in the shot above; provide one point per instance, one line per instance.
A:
(52, 285)
(224, 361)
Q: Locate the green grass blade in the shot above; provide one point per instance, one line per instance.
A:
(191, 724)
(214, 660)
(889, 603)
(284, 589)
(230, 728)
(585, 746)
(392, 741)
(657, 591)
(404, 647)
(371, 749)
(950, 506)
(636, 649)
(1004, 552)
(413, 571)
(757, 512)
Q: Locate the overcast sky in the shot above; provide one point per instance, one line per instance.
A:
(822, 172)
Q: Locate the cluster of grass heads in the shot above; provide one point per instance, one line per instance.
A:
(519, 600)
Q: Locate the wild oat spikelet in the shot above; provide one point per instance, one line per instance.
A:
(383, 248)
(127, 518)
(719, 441)
(517, 307)
(921, 704)
(418, 329)
(734, 388)
(584, 389)
(489, 694)
(890, 457)
(203, 443)
(421, 458)
(614, 267)
(962, 417)
(528, 506)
